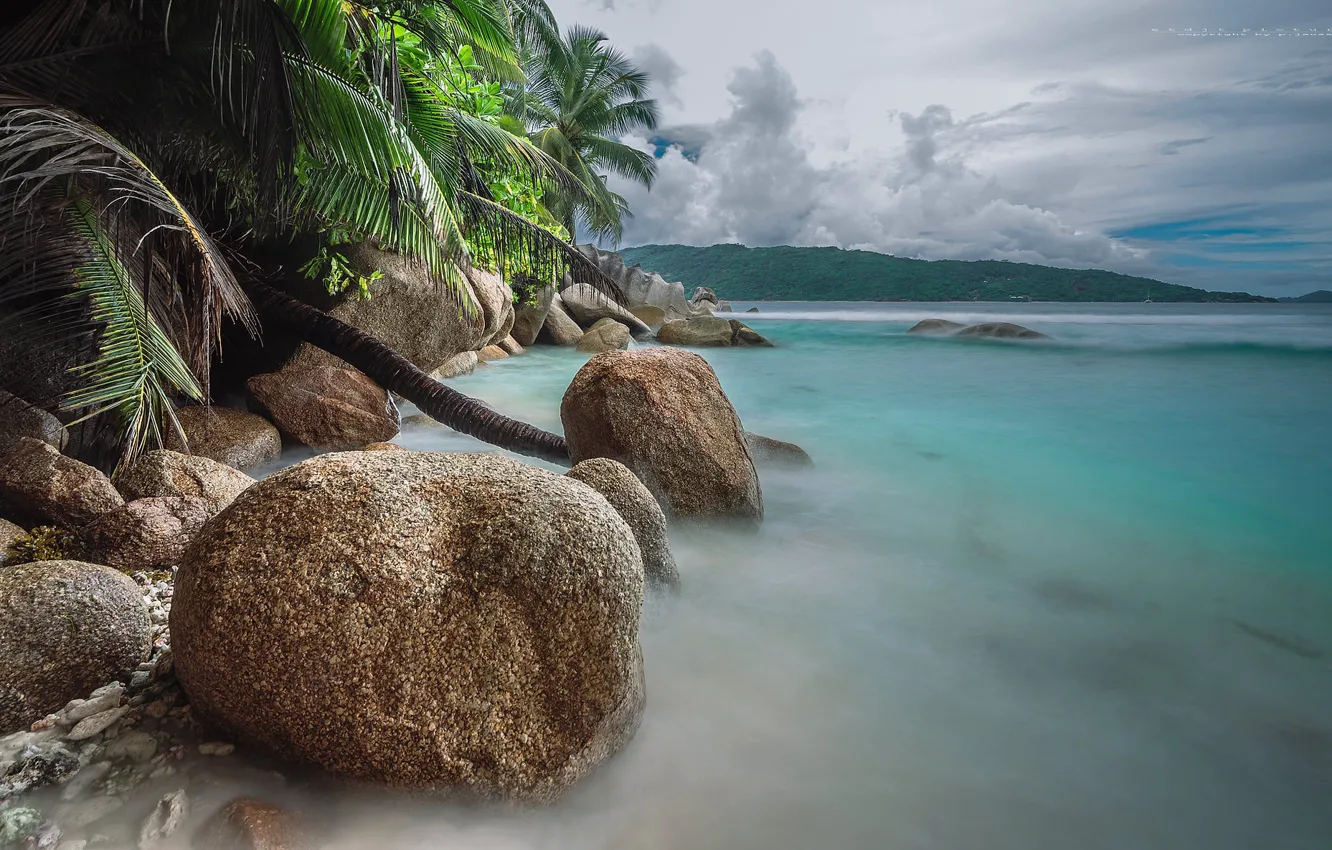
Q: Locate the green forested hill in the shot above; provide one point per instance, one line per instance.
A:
(831, 274)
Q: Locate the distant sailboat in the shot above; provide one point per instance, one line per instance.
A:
(1149, 299)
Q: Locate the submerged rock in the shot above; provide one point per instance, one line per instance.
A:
(439, 621)
(640, 510)
(934, 326)
(491, 352)
(326, 407)
(40, 485)
(239, 439)
(662, 413)
(743, 334)
(1001, 330)
(770, 452)
(605, 335)
(69, 627)
(559, 328)
(168, 473)
(148, 534)
(249, 824)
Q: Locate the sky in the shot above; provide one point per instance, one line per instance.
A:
(1082, 134)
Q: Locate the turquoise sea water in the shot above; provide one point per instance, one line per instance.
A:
(1074, 594)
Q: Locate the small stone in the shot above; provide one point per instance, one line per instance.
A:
(156, 710)
(216, 748)
(140, 679)
(101, 700)
(17, 824)
(85, 780)
(135, 746)
(90, 726)
(83, 814)
(167, 816)
(46, 837)
(248, 824)
(42, 769)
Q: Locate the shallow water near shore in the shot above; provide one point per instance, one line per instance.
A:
(1032, 596)
(1071, 594)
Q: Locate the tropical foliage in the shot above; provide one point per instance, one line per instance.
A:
(157, 155)
(580, 97)
(830, 274)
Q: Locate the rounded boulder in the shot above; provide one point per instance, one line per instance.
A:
(239, 439)
(148, 534)
(662, 413)
(457, 623)
(168, 473)
(69, 628)
(634, 502)
(41, 486)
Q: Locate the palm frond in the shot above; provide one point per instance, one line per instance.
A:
(137, 370)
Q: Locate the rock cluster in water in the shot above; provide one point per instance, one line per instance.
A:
(985, 330)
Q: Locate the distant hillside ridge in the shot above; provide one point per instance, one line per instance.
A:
(785, 273)
(1322, 296)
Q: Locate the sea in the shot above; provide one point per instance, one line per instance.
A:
(1072, 594)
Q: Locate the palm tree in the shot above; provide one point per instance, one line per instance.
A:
(580, 98)
(171, 139)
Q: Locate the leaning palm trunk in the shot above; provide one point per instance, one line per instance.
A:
(397, 374)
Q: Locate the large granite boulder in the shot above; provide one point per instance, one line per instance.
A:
(529, 317)
(634, 502)
(662, 413)
(1000, 330)
(239, 439)
(414, 313)
(147, 534)
(459, 364)
(935, 327)
(451, 622)
(495, 298)
(653, 317)
(41, 486)
(68, 628)
(698, 331)
(604, 335)
(20, 419)
(9, 532)
(641, 288)
(776, 453)
(326, 407)
(587, 306)
(168, 473)
(559, 328)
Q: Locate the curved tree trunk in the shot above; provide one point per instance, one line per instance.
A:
(397, 374)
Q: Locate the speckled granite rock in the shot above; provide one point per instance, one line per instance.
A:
(168, 473)
(511, 346)
(459, 364)
(326, 407)
(586, 305)
(604, 335)
(20, 419)
(39, 485)
(742, 334)
(68, 628)
(700, 331)
(769, 452)
(559, 327)
(632, 500)
(239, 439)
(528, 318)
(248, 824)
(9, 532)
(1000, 330)
(662, 413)
(459, 623)
(147, 534)
(495, 298)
